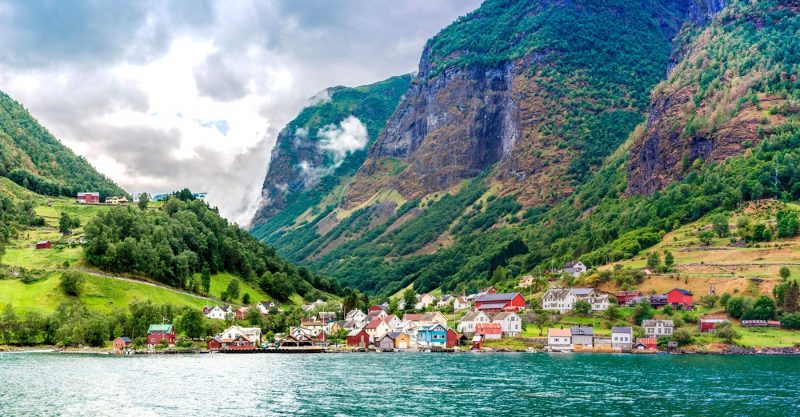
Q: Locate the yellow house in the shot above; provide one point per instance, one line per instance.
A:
(401, 340)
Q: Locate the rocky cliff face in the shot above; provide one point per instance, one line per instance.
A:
(536, 118)
(715, 104)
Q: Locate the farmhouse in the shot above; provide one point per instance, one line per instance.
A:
(88, 198)
(563, 299)
(709, 323)
(461, 303)
(217, 312)
(627, 297)
(679, 297)
(496, 302)
(470, 320)
(158, 332)
(510, 323)
(658, 328)
(575, 269)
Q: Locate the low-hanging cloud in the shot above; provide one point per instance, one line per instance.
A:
(165, 95)
(338, 142)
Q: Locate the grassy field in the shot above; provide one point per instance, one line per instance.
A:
(100, 294)
(219, 283)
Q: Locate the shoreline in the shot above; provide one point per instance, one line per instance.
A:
(729, 351)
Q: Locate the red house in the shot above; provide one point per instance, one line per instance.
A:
(44, 244)
(375, 308)
(625, 297)
(241, 312)
(646, 343)
(88, 198)
(708, 323)
(214, 344)
(680, 297)
(494, 303)
(358, 338)
(453, 338)
(158, 332)
(122, 343)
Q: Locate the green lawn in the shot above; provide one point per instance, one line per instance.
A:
(767, 337)
(100, 294)
(219, 283)
(28, 257)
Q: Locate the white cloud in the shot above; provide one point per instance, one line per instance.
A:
(349, 137)
(165, 95)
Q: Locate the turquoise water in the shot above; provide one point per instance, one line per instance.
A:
(399, 385)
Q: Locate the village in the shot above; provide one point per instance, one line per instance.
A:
(580, 320)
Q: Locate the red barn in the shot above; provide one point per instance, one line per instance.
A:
(158, 332)
(646, 343)
(358, 338)
(453, 338)
(680, 297)
(44, 244)
(88, 198)
(493, 303)
(708, 323)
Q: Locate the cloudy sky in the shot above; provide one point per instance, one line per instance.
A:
(161, 95)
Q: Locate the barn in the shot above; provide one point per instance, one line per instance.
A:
(44, 244)
(679, 297)
(358, 338)
(493, 303)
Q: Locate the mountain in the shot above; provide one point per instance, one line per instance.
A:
(539, 132)
(33, 158)
(320, 150)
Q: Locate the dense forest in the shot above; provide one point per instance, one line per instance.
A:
(31, 157)
(175, 243)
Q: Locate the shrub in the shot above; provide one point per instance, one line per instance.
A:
(72, 283)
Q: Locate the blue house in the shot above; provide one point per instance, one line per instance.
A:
(432, 335)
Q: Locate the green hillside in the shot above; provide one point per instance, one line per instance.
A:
(33, 158)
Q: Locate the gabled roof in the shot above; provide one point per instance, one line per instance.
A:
(558, 293)
(623, 330)
(503, 315)
(582, 331)
(680, 290)
(354, 332)
(124, 339)
(572, 264)
(488, 328)
(497, 297)
(552, 332)
(653, 323)
(413, 316)
(431, 327)
(166, 328)
(431, 315)
(492, 306)
(471, 316)
(374, 323)
(582, 291)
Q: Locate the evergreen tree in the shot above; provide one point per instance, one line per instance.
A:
(144, 200)
(791, 297)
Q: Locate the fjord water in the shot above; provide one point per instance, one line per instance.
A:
(399, 385)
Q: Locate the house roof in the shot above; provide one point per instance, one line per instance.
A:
(558, 293)
(627, 330)
(430, 316)
(159, 328)
(394, 335)
(497, 297)
(572, 264)
(374, 323)
(488, 328)
(354, 332)
(412, 317)
(503, 315)
(124, 339)
(646, 340)
(431, 327)
(492, 306)
(552, 332)
(682, 291)
(582, 331)
(653, 323)
(582, 291)
(471, 316)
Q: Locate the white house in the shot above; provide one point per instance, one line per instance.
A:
(253, 334)
(356, 315)
(408, 327)
(218, 312)
(575, 269)
(470, 320)
(461, 303)
(392, 320)
(445, 301)
(315, 305)
(313, 325)
(423, 301)
(658, 328)
(622, 338)
(563, 299)
(559, 339)
(377, 328)
(265, 306)
(510, 322)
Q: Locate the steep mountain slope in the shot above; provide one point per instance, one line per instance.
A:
(321, 149)
(33, 158)
(538, 92)
(733, 82)
(586, 199)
